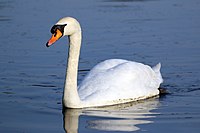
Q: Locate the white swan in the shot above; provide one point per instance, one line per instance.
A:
(110, 82)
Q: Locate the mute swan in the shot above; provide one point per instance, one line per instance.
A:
(110, 82)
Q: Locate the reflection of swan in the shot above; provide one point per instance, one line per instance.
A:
(71, 119)
(124, 117)
(110, 82)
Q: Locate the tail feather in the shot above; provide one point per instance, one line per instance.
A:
(156, 69)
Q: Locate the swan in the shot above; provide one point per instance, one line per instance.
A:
(113, 81)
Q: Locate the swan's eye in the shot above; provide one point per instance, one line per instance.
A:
(55, 34)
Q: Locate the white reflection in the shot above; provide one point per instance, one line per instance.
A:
(123, 117)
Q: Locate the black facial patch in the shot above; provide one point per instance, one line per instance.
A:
(59, 27)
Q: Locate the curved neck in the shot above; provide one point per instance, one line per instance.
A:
(71, 98)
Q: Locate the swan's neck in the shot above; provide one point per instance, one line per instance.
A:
(71, 98)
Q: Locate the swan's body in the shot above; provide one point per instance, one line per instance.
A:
(117, 81)
(110, 82)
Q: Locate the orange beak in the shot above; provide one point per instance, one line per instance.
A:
(57, 35)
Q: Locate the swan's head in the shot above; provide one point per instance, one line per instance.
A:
(64, 27)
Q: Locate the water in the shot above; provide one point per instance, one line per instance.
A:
(148, 31)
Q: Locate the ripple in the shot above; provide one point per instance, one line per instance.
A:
(3, 18)
(44, 85)
(8, 92)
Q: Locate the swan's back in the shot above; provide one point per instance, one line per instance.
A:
(118, 80)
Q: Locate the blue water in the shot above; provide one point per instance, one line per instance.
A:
(148, 31)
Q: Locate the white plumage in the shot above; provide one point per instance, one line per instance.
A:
(110, 82)
(118, 80)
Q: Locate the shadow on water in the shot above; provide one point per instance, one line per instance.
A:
(123, 117)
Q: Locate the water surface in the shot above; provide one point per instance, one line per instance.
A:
(148, 31)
